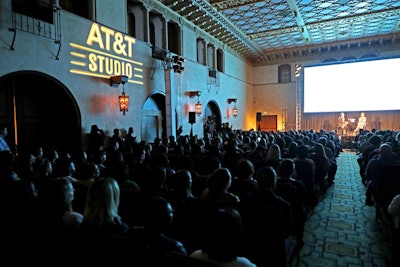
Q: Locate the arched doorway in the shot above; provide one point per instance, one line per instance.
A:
(39, 110)
(212, 110)
(153, 118)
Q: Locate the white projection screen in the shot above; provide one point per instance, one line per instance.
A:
(357, 86)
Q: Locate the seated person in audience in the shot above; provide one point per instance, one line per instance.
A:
(157, 219)
(380, 186)
(305, 172)
(295, 192)
(57, 202)
(369, 150)
(244, 183)
(185, 205)
(394, 210)
(267, 221)
(274, 156)
(224, 240)
(216, 192)
(101, 219)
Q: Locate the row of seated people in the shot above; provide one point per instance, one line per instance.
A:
(379, 160)
(137, 178)
(166, 223)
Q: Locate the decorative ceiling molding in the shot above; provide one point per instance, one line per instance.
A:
(268, 32)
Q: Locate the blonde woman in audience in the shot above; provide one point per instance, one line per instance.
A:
(101, 218)
(274, 157)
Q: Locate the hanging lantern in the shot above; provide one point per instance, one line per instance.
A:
(235, 111)
(123, 103)
(198, 108)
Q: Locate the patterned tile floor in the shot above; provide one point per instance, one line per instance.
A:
(343, 232)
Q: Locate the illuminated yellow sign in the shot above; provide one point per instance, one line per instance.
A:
(106, 53)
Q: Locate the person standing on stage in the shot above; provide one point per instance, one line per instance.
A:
(341, 124)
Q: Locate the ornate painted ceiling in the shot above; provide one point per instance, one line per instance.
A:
(267, 32)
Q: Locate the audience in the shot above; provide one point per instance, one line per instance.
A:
(135, 197)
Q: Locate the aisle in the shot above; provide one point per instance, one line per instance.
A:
(343, 231)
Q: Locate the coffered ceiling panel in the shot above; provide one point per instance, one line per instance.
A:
(278, 30)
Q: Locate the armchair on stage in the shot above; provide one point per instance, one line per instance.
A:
(346, 127)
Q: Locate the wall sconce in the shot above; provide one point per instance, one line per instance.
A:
(198, 106)
(175, 62)
(178, 64)
(115, 81)
(235, 110)
(297, 71)
(123, 98)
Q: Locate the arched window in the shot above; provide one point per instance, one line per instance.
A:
(220, 60)
(201, 47)
(211, 56)
(131, 24)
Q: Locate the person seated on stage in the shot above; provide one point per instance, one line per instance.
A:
(362, 122)
(341, 124)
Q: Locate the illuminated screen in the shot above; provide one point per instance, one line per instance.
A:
(357, 86)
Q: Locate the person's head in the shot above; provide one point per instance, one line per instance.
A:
(3, 130)
(116, 131)
(102, 203)
(274, 152)
(158, 214)
(244, 169)
(64, 166)
(180, 183)
(375, 140)
(293, 148)
(386, 150)
(94, 128)
(219, 181)
(302, 152)
(266, 178)
(286, 168)
(362, 114)
(225, 235)
(319, 149)
(60, 193)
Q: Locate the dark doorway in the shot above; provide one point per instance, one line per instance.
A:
(212, 110)
(39, 110)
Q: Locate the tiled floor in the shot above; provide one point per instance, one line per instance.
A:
(343, 232)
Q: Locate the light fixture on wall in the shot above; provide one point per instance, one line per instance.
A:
(123, 102)
(198, 106)
(175, 62)
(297, 71)
(235, 110)
(178, 64)
(123, 98)
(116, 80)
